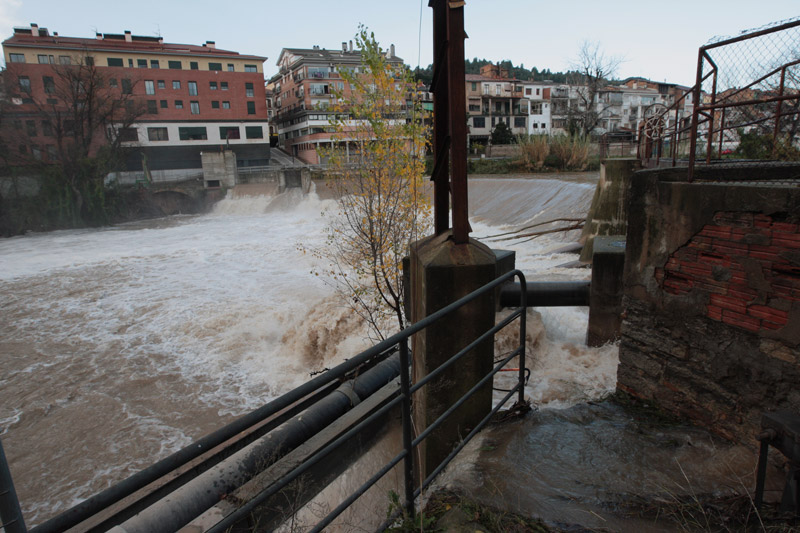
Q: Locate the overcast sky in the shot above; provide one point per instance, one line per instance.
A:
(658, 40)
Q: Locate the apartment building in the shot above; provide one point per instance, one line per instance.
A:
(196, 97)
(304, 91)
(494, 97)
(538, 96)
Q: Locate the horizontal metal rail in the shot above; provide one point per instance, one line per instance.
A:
(404, 400)
(125, 488)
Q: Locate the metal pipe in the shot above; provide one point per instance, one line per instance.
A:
(547, 294)
(11, 520)
(203, 492)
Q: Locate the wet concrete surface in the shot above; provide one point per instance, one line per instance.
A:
(597, 467)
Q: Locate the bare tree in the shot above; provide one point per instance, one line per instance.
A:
(69, 122)
(590, 72)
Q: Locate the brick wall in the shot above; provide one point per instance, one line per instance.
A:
(747, 265)
(712, 298)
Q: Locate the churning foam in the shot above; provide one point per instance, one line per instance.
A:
(123, 344)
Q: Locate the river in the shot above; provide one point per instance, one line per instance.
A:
(123, 344)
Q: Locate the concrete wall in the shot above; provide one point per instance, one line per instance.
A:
(712, 296)
(220, 167)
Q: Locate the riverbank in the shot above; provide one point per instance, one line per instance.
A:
(614, 465)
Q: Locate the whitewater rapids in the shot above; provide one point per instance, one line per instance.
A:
(123, 344)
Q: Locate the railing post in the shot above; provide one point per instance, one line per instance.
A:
(10, 514)
(408, 462)
(523, 302)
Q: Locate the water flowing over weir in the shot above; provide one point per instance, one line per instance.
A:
(123, 344)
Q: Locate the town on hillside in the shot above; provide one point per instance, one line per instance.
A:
(196, 98)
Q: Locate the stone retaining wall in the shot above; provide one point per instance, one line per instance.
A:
(712, 297)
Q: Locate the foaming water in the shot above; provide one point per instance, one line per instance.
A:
(124, 344)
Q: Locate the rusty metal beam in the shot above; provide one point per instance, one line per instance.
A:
(458, 120)
(441, 113)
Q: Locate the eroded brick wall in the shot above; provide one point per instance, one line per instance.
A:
(747, 263)
(712, 300)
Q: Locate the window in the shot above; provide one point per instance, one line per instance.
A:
(493, 121)
(176, 84)
(192, 88)
(18, 124)
(537, 92)
(130, 63)
(157, 134)
(230, 67)
(127, 87)
(154, 63)
(89, 60)
(149, 88)
(161, 84)
(112, 82)
(152, 107)
(128, 135)
(115, 62)
(45, 59)
(163, 104)
(251, 108)
(51, 152)
(49, 84)
(254, 132)
(64, 60)
(174, 65)
(223, 85)
(47, 128)
(23, 149)
(248, 89)
(528, 91)
(212, 85)
(30, 125)
(474, 86)
(478, 122)
(52, 101)
(192, 134)
(141, 63)
(215, 66)
(195, 107)
(25, 84)
(229, 132)
(36, 152)
(519, 122)
(178, 104)
(215, 104)
(226, 105)
(193, 65)
(544, 125)
(250, 68)
(536, 125)
(16, 58)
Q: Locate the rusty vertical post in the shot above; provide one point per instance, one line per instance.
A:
(712, 115)
(778, 112)
(695, 116)
(458, 119)
(441, 118)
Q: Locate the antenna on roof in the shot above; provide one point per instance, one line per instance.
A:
(158, 30)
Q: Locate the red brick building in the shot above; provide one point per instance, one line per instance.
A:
(194, 97)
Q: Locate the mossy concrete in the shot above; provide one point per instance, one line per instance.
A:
(608, 215)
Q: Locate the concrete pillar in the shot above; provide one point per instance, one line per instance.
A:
(441, 273)
(608, 215)
(605, 293)
(220, 168)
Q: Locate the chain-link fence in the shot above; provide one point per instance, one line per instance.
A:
(744, 108)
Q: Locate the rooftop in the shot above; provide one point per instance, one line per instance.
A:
(35, 37)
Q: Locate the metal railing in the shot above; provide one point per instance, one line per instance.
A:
(271, 415)
(744, 106)
(403, 400)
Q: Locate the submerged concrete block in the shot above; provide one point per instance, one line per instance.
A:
(605, 293)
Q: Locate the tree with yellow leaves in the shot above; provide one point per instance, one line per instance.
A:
(376, 166)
